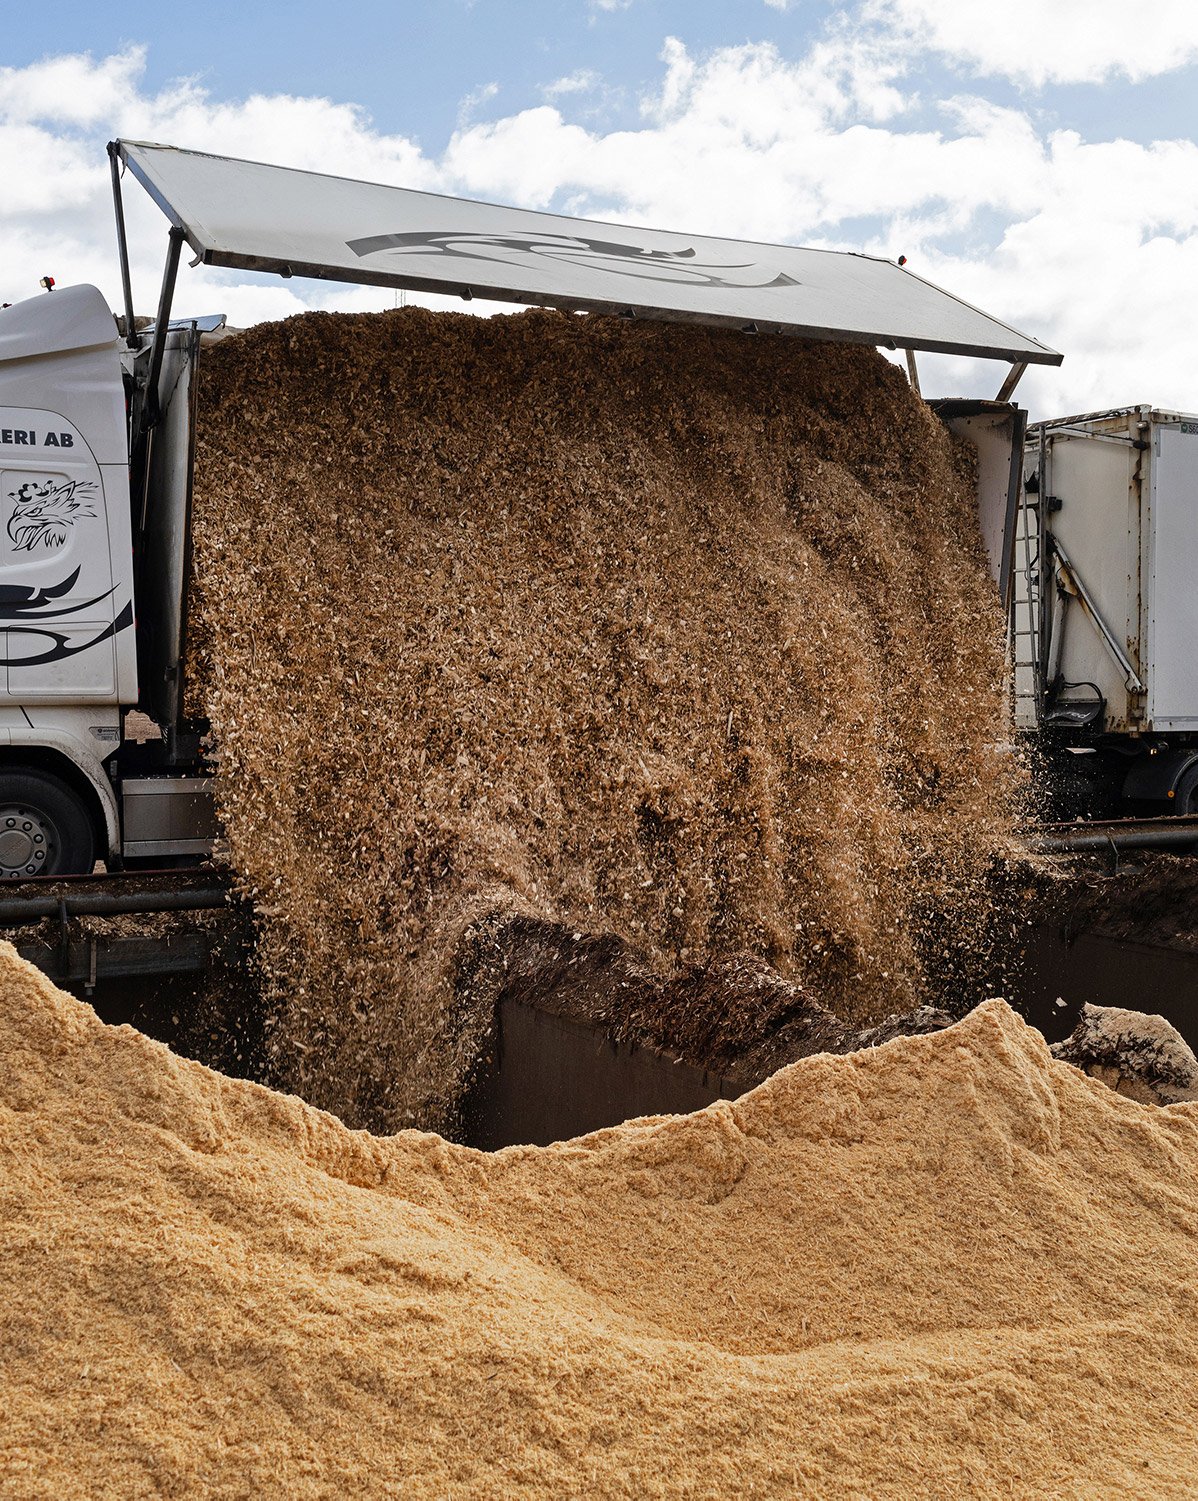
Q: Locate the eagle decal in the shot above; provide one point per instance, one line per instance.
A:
(45, 511)
(674, 266)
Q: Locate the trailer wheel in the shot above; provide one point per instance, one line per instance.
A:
(45, 828)
(1186, 800)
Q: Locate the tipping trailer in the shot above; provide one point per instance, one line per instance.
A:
(1105, 613)
(97, 437)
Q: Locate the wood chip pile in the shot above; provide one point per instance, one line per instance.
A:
(946, 1267)
(657, 631)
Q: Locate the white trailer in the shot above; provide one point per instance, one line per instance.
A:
(97, 433)
(1105, 613)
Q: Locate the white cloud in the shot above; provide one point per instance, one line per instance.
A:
(1090, 245)
(69, 90)
(474, 100)
(1036, 42)
(580, 82)
(56, 209)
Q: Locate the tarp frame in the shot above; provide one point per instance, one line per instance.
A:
(1017, 349)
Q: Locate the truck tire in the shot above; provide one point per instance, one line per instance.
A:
(1186, 800)
(45, 827)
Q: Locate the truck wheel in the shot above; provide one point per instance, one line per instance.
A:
(1186, 800)
(45, 829)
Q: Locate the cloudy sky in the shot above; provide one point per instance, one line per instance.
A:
(1039, 159)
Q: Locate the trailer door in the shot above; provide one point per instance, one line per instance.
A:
(1172, 655)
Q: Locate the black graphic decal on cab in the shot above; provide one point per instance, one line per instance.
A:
(61, 646)
(45, 511)
(18, 602)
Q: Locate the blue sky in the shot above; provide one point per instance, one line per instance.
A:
(409, 65)
(412, 66)
(1041, 162)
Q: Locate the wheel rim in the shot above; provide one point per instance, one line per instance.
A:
(28, 842)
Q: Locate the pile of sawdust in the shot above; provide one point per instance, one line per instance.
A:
(949, 1266)
(663, 632)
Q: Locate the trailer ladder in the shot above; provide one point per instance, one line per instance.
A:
(1025, 629)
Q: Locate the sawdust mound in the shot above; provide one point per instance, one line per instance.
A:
(660, 632)
(949, 1266)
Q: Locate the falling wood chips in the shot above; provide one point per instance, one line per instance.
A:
(657, 631)
(946, 1267)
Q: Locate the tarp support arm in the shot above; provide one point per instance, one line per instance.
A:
(1014, 376)
(150, 406)
(122, 244)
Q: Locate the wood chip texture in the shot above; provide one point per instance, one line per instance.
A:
(950, 1266)
(668, 633)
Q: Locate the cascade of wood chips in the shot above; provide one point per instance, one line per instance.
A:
(675, 634)
(950, 1266)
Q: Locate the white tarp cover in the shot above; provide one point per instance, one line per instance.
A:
(278, 219)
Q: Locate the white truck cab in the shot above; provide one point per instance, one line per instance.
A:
(67, 619)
